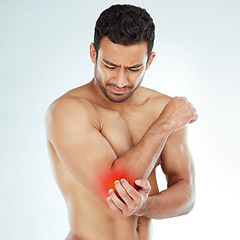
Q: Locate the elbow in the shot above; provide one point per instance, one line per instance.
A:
(188, 209)
(190, 202)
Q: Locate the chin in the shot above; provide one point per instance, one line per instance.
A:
(119, 99)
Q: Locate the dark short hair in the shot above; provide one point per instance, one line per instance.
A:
(125, 24)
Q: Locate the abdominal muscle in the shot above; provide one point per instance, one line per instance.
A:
(95, 220)
(90, 218)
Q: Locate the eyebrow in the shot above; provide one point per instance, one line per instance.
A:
(115, 65)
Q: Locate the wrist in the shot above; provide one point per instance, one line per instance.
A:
(166, 125)
(142, 212)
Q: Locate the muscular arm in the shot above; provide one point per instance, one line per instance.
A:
(179, 197)
(75, 133)
(74, 130)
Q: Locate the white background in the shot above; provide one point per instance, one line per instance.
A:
(44, 52)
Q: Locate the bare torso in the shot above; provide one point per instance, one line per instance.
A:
(89, 217)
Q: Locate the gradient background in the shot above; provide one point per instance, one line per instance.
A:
(44, 52)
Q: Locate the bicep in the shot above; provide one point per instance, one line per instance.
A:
(177, 162)
(83, 150)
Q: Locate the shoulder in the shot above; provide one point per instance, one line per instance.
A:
(74, 102)
(154, 99)
(68, 105)
(70, 111)
(154, 95)
(156, 102)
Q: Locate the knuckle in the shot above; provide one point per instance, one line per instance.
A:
(130, 210)
(138, 199)
(127, 213)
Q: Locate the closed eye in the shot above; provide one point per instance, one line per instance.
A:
(109, 67)
(134, 70)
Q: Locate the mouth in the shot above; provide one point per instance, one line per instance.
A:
(118, 91)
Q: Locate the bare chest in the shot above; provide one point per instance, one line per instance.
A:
(124, 130)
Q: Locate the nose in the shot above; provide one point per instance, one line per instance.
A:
(121, 78)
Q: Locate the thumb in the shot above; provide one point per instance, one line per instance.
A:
(143, 183)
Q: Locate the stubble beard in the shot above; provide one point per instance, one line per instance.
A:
(117, 98)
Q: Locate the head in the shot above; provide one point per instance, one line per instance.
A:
(125, 25)
(122, 50)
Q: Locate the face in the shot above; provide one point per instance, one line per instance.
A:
(119, 70)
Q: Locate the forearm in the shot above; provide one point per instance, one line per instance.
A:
(175, 201)
(141, 159)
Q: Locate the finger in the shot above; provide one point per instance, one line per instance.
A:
(194, 118)
(143, 183)
(133, 193)
(117, 202)
(189, 104)
(113, 206)
(180, 97)
(122, 192)
(145, 186)
(193, 108)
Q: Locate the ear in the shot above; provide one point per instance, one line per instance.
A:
(152, 56)
(93, 53)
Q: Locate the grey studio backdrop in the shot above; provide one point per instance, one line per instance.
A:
(44, 52)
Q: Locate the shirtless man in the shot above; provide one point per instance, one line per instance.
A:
(106, 138)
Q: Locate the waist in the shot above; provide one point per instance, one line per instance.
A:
(106, 225)
(91, 219)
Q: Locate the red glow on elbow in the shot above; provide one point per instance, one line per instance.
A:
(107, 180)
